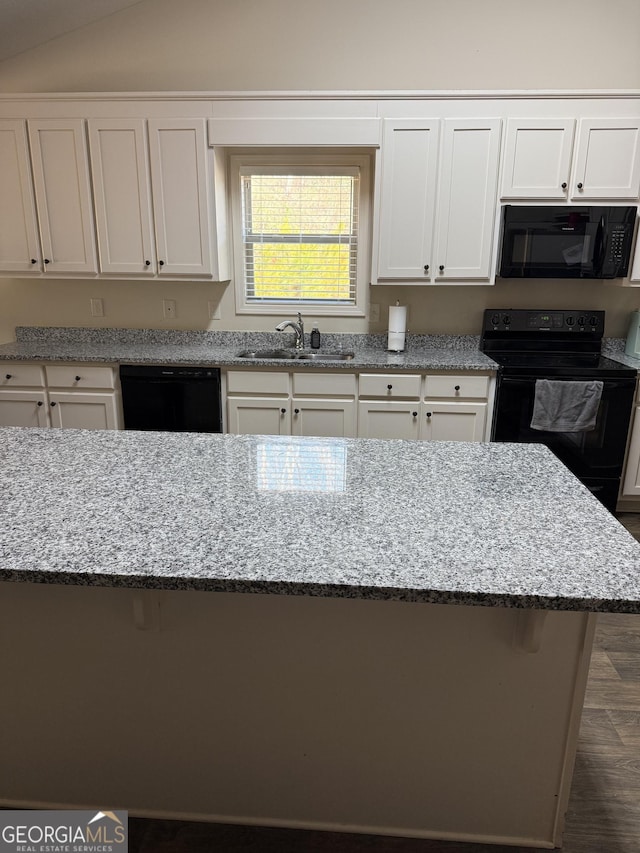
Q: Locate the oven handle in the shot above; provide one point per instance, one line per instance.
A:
(610, 382)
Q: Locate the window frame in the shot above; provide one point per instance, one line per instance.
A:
(297, 160)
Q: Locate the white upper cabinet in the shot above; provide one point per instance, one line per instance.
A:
(607, 159)
(438, 199)
(63, 195)
(466, 207)
(152, 198)
(180, 205)
(122, 193)
(19, 243)
(541, 162)
(408, 196)
(537, 158)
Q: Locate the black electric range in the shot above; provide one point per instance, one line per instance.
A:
(532, 344)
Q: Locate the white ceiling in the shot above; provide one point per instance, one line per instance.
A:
(28, 23)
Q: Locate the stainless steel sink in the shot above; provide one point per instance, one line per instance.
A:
(325, 356)
(269, 354)
(295, 355)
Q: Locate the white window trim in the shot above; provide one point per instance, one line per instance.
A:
(297, 158)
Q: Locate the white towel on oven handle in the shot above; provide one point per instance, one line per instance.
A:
(565, 405)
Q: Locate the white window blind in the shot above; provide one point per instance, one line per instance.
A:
(300, 234)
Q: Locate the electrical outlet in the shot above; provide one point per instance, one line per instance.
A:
(374, 312)
(97, 307)
(169, 309)
(214, 311)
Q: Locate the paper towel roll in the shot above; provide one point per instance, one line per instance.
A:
(397, 328)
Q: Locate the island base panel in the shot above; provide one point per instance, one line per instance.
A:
(372, 716)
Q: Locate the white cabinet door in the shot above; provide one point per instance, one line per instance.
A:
(388, 419)
(407, 198)
(607, 160)
(23, 408)
(80, 410)
(323, 417)
(19, 243)
(63, 195)
(537, 158)
(121, 185)
(454, 421)
(258, 416)
(631, 480)
(467, 199)
(180, 182)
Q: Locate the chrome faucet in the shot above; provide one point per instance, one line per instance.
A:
(298, 328)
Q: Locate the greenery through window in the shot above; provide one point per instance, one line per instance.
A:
(298, 225)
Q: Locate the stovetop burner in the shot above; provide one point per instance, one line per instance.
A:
(565, 344)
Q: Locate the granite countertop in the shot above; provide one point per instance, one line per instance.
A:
(480, 524)
(614, 348)
(145, 346)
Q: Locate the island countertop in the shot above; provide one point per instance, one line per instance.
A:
(480, 524)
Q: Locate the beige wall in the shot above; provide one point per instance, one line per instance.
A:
(239, 45)
(341, 44)
(436, 310)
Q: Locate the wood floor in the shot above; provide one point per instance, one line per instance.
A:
(604, 809)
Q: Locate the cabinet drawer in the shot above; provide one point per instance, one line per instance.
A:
(327, 384)
(79, 376)
(456, 386)
(389, 385)
(15, 374)
(257, 382)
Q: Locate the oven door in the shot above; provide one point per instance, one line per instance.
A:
(595, 456)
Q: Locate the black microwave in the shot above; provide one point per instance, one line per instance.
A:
(564, 241)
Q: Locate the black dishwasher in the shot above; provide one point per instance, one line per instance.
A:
(171, 398)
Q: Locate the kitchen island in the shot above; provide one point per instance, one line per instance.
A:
(388, 637)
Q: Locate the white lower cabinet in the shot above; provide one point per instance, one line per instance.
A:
(453, 421)
(411, 406)
(280, 403)
(447, 408)
(73, 396)
(388, 419)
(258, 416)
(325, 418)
(455, 407)
(23, 408)
(429, 421)
(82, 410)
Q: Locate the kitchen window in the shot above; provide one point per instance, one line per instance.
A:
(301, 226)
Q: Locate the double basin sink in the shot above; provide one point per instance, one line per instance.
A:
(294, 355)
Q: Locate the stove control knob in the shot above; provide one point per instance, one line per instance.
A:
(570, 320)
(506, 319)
(593, 321)
(582, 320)
(495, 320)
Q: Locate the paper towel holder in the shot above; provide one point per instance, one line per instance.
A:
(396, 337)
